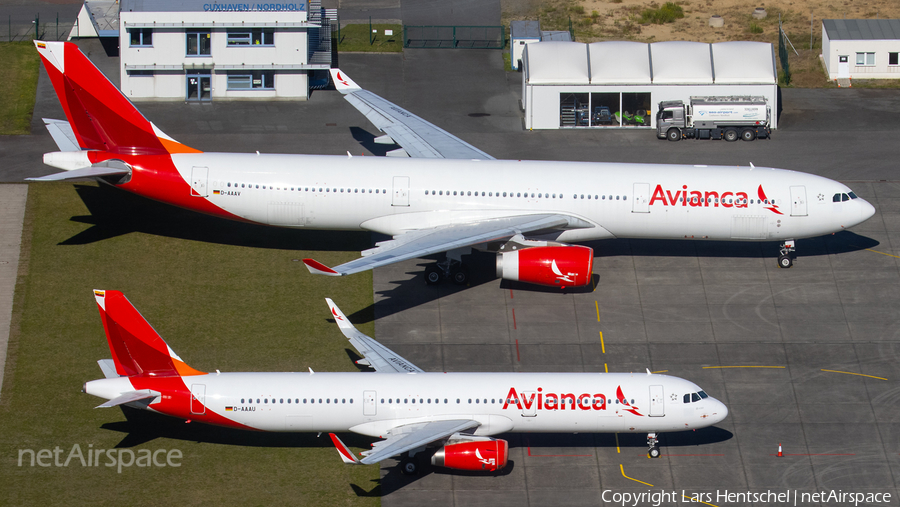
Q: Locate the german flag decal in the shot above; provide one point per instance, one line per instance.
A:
(229, 409)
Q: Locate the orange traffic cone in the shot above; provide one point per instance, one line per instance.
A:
(780, 454)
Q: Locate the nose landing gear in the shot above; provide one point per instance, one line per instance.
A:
(785, 260)
(653, 443)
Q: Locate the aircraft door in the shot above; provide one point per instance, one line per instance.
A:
(199, 176)
(641, 198)
(657, 402)
(798, 201)
(369, 407)
(198, 398)
(401, 191)
(529, 403)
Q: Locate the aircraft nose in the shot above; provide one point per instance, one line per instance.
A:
(720, 411)
(866, 210)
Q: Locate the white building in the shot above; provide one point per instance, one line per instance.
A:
(522, 32)
(618, 83)
(861, 48)
(196, 51)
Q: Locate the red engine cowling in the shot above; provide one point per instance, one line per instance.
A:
(554, 266)
(481, 455)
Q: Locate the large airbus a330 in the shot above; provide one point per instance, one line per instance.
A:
(408, 409)
(451, 199)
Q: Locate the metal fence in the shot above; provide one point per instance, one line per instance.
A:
(19, 28)
(454, 37)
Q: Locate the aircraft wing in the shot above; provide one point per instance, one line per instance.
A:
(421, 242)
(418, 138)
(375, 354)
(405, 438)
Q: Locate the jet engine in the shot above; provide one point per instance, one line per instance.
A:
(484, 455)
(553, 266)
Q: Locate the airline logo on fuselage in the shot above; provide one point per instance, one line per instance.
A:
(698, 199)
(707, 199)
(565, 401)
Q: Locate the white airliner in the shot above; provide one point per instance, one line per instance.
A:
(409, 409)
(453, 198)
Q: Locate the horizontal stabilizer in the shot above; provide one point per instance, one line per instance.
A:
(108, 168)
(108, 367)
(129, 397)
(345, 453)
(62, 133)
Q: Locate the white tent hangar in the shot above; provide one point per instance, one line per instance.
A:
(618, 83)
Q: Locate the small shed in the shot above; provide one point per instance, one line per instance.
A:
(861, 48)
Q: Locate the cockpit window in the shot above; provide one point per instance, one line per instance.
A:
(695, 397)
(843, 197)
(703, 395)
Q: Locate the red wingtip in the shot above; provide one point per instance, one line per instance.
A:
(317, 268)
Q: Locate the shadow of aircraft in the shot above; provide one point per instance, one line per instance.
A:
(410, 293)
(115, 212)
(367, 141)
(141, 426)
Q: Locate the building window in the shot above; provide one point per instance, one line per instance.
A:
(252, 80)
(198, 43)
(892, 58)
(136, 73)
(866, 59)
(141, 37)
(252, 37)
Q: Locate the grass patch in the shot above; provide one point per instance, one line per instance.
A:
(19, 61)
(224, 295)
(667, 13)
(357, 38)
(755, 27)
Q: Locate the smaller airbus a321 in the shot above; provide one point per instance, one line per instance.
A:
(411, 411)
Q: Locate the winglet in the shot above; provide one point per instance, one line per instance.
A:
(317, 268)
(342, 83)
(343, 451)
(339, 316)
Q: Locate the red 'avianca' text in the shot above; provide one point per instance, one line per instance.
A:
(563, 401)
(696, 199)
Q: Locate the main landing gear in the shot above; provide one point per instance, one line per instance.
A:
(450, 268)
(653, 443)
(410, 464)
(785, 260)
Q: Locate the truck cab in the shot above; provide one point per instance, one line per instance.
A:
(670, 114)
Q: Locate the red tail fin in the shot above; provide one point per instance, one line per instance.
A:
(101, 117)
(136, 347)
